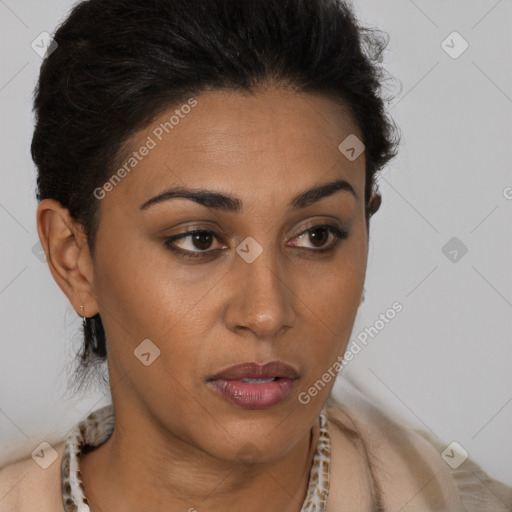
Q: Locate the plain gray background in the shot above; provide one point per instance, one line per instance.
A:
(443, 363)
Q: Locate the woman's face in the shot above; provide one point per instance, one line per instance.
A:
(254, 285)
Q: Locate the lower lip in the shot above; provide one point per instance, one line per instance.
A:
(253, 395)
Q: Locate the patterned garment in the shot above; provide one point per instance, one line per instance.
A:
(99, 425)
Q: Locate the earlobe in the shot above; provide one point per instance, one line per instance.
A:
(67, 254)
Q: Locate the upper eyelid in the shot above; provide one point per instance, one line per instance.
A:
(221, 233)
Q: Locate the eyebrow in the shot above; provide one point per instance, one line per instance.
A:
(220, 201)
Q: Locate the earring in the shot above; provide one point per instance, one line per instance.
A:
(84, 321)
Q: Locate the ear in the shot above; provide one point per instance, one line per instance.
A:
(375, 203)
(67, 255)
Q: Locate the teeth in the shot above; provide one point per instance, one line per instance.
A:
(258, 381)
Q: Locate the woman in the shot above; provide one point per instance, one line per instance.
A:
(207, 174)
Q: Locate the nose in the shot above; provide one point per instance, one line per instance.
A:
(262, 298)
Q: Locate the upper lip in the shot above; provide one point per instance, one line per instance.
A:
(257, 371)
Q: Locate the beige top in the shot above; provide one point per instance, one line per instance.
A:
(365, 462)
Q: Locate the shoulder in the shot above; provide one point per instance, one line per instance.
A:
(405, 462)
(27, 485)
(408, 472)
(478, 490)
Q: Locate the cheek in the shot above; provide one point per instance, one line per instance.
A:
(335, 285)
(143, 293)
(143, 296)
(134, 278)
(331, 299)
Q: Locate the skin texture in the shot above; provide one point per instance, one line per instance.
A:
(177, 444)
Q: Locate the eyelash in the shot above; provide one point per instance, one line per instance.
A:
(334, 230)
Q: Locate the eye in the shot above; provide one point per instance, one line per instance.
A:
(319, 236)
(198, 239)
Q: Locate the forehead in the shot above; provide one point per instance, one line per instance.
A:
(262, 144)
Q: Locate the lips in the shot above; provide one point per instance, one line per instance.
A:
(271, 370)
(255, 386)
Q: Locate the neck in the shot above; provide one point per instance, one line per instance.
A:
(140, 468)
